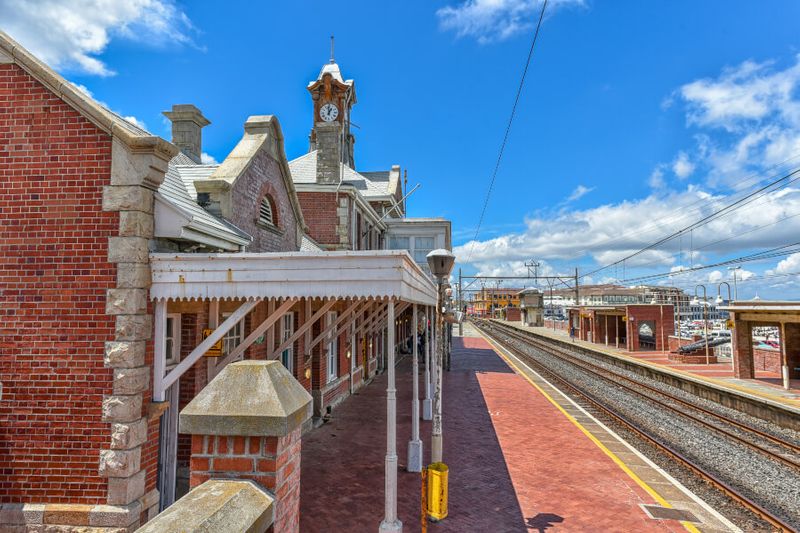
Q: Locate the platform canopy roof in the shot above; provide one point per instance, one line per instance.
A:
(374, 274)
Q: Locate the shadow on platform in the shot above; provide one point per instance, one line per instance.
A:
(343, 461)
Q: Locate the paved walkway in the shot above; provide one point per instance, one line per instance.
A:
(517, 463)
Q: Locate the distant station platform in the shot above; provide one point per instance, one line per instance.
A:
(522, 458)
(766, 385)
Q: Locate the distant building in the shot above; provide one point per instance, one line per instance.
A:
(532, 307)
(492, 302)
(419, 236)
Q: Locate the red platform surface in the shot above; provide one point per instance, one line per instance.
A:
(517, 463)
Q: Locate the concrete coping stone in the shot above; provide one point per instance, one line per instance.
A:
(248, 398)
(217, 506)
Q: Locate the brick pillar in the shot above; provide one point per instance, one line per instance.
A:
(792, 344)
(743, 350)
(246, 424)
(272, 462)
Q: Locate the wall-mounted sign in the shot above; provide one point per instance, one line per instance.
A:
(216, 348)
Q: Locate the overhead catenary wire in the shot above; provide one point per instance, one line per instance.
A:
(508, 131)
(758, 256)
(705, 220)
(686, 210)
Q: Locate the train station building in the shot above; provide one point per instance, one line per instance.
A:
(634, 327)
(135, 275)
(785, 316)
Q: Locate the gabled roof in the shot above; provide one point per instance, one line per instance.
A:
(261, 132)
(130, 134)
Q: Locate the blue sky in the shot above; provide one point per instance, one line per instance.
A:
(636, 119)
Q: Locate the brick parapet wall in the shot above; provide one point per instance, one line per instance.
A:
(272, 462)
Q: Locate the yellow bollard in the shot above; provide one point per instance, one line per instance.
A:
(437, 491)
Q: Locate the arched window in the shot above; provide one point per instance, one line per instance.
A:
(265, 213)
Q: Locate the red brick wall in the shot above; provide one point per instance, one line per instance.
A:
(264, 177)
(54, 274)
(513, 314)
(769, 360)
(319, 212)
(651, 313)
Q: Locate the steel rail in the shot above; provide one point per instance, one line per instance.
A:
(668, 450)
(603, 372)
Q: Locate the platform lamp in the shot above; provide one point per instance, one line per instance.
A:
(441, 263)
(696, 301)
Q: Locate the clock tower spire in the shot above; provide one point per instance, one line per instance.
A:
(333, 99)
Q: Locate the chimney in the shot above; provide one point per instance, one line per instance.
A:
(187, 125)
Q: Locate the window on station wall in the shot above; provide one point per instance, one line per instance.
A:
(266, 212)
(399, 243)
(333, 347)
(422, 247)
(173, 339)
(233, 337)
(287, 330)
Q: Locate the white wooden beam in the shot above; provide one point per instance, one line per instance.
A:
(208, 342)
(160, 351)
(256, 333)
(306, 327)
(331, 327)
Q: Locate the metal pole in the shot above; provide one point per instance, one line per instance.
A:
(414, 463)
(427, 407)
(577, 292)
(705, 329)
(436, 433)
(784, 358)
(460, 304)
(390, 522)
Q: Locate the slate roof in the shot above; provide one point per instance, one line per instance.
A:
(174, 190)
(304, 170)
(307, 244)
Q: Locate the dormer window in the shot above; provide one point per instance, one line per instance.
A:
(266, 214)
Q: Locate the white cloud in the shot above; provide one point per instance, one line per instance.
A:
(130, 118)
(70, 34)
(681, 166)
(494, 20)
(207, 159)
(715, 276)
(610, 232)
(579, 192)
(656, 180)
(749, 91)
(789, 265)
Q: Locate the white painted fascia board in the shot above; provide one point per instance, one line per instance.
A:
(371, 274)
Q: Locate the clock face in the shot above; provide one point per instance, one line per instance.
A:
(329, 112)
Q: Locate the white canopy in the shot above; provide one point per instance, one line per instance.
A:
(376, 274)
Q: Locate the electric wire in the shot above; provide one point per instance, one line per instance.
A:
(703, 221)
(508, 131)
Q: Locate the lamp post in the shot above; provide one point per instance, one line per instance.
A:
(414, 462)
(704, 304)
(735, 288)
(441, 263)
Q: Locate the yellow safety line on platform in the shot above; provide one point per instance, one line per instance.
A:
(716, 381)
(619, 462)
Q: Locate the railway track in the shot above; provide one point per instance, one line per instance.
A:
(760, 444)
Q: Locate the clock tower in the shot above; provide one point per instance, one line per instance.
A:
(333, 99)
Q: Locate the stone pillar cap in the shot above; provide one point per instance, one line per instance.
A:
(248, 398)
